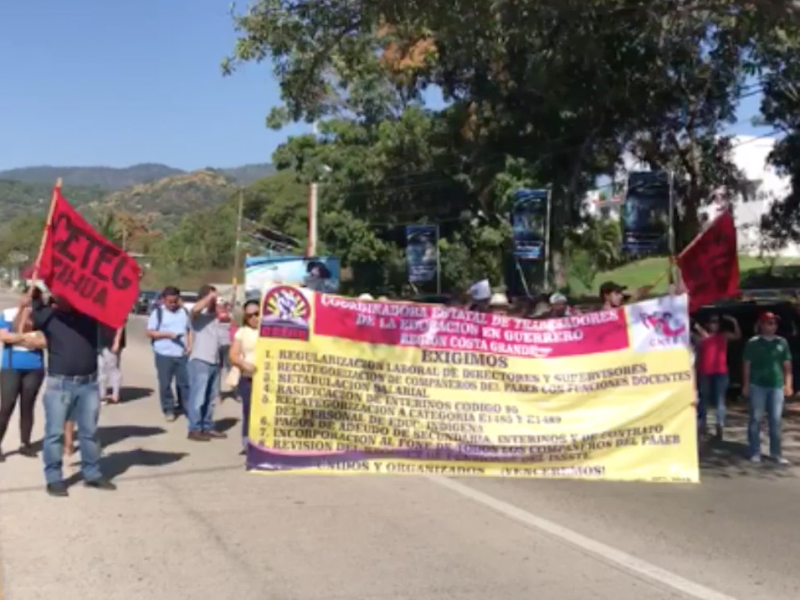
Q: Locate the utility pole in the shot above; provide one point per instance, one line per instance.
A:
(238, 246)
(313, 196)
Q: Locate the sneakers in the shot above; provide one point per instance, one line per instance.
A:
(198, 436)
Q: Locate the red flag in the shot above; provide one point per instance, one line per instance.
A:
(710, 264)
(77, 264)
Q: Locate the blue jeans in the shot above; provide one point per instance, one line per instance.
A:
(245, 391)
(769, 401)
(167, 369)
(712, 390)
(74, 399)
(203, 390)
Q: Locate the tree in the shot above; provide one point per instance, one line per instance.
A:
(555, 91)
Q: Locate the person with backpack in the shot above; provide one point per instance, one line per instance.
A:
(169, 328)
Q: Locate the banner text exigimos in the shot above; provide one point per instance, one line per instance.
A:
(353, 386)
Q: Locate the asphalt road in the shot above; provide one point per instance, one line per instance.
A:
(188, 522)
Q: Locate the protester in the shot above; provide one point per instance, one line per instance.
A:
(712, 368)
(480, 293)
(204, 366)
(21, 376)
(498, 303)
(109, 373)
(766, 382)
(169, 328)
(243, 358)
(71, 391)
(559, 306)
(613, 295)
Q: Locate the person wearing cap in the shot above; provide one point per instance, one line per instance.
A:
(613, 295)
(204, 367)
(559, 307)
(766, 382)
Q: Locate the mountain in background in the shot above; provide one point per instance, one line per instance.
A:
(162, 203)
(110, 178)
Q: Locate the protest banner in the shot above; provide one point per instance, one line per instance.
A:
(710, 264)
(80, 266)
(355, 386)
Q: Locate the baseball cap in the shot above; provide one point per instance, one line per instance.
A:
(768, 316)
(610, 286)
(558, 298)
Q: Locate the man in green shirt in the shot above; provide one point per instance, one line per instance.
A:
(766, 381)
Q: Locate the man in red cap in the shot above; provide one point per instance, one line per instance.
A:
(766, 381)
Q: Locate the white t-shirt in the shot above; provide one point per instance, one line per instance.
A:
(247, 338)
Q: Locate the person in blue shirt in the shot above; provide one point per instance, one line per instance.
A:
(169, 328)
(21, 376)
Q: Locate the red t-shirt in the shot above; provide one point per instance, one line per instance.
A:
(712, 354)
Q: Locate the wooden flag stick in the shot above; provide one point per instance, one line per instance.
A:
(46, 233)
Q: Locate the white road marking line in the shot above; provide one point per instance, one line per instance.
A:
(612, 555)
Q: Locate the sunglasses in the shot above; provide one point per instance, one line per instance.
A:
(250, 315)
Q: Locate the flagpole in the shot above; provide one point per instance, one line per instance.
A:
(46, 233)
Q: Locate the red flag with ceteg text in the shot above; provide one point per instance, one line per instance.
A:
(710, 264)
(86, 270)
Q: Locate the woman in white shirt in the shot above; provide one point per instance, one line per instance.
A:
(243, 356)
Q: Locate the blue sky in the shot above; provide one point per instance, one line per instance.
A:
(120, 82)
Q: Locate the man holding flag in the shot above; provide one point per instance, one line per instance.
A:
(94, 283)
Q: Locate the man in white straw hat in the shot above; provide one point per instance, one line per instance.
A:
(498, 303)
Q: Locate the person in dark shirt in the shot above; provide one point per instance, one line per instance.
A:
(71, 390)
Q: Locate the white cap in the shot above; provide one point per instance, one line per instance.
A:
(558, 298)
(366, 297)
(480, 290)
(498, 300)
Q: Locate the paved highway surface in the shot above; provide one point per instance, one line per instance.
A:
(188, 523)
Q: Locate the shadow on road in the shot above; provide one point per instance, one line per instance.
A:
(132, 394)
(116, 433)
(226, 424)
(116, 464)
(730, 458)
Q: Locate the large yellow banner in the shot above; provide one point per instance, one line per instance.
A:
(352, 386)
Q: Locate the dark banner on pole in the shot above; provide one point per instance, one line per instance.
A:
(529, 223)
(646, 214)
(422, 252)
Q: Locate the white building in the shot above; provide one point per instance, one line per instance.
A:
(750, 154)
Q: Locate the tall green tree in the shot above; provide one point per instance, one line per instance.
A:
(559, 90)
